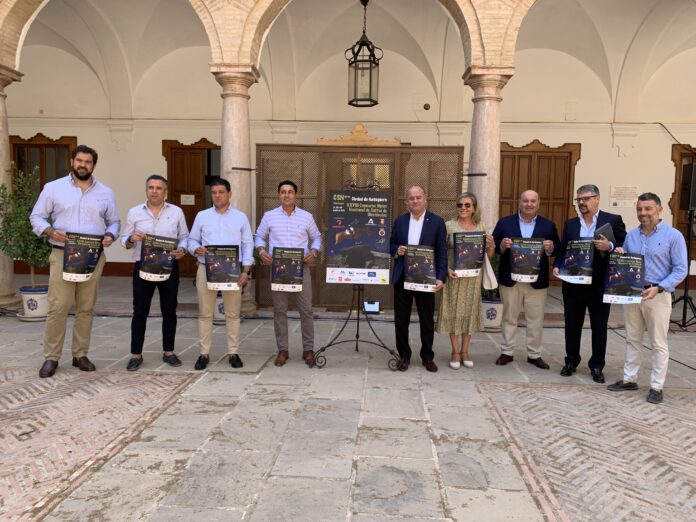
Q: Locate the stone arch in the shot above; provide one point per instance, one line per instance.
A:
(15, 18)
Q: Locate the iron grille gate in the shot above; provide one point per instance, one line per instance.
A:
(317, 169)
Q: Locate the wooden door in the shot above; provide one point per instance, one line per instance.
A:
(546, 170)
(187, 167)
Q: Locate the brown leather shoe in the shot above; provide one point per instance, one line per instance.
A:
(48, 368)
(538, 362)
(430, 365)
(281, 358)
(308, 357)
(84, 364)
(404, 363)
(503, 359)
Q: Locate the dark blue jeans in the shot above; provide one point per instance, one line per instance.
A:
(142, 298)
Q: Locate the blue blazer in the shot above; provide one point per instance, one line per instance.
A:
(434, 234)
(571, 232)
(510, 227)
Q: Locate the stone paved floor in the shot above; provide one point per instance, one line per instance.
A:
(352, 441)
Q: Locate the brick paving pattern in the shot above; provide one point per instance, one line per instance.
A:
(52, 429)
(590, 454)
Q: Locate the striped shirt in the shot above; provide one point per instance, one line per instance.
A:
(71, 210)
(296, 230)
(169, 223)
(230, 227)
(664, 251)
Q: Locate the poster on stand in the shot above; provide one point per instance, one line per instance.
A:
(156, 259)
(624, 281)
(357, 243)
(525, 259)
(80, 256)
(420, 268)
(287, 269)
(576, 266)
(469, 249)
(222, 268)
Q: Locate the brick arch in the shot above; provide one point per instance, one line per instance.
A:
(15, 18)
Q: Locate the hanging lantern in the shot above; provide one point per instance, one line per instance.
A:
(363, 68)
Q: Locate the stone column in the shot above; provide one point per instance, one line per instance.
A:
(235, 151)
(7, 76)
(484, 151)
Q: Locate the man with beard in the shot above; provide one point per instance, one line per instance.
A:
(155, 217)
(75, 203)
(579, 298)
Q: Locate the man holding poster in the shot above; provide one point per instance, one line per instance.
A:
(518, 295)
(79, 204)
(417, 227)
(579, 298)
(664, 251)
(154, 228)
(288, 226)
(220, 225)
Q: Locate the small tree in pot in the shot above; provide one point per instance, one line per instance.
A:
(17, 239)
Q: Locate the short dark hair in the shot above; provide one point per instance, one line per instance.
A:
(650, 196)
(84, 149)
(588, 188)
(157, 177)
(287, 182)
(221, 181)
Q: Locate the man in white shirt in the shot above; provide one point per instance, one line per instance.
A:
(155, 217)
(220, 225)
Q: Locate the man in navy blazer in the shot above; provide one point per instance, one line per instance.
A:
(519, 296)
(579, 298)
(417, 227)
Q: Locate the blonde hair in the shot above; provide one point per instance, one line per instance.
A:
(476, 216)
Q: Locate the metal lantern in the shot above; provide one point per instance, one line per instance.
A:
(363, 69)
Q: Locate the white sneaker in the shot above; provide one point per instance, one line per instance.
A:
(468, 364)
(454, 365)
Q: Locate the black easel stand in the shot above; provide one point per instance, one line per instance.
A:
(357, 305)
(686, 299)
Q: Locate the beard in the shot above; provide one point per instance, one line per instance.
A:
(82, 177)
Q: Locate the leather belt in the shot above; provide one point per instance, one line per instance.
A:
(58, 247)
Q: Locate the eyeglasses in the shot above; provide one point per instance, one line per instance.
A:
(464, 205)
(585, 199)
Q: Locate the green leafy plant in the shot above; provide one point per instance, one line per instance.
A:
(17, 239)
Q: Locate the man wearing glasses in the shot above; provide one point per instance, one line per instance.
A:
(577, 298)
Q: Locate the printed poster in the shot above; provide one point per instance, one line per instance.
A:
(222, 268)
(287, 269)
(469, 249)
(624, 281)
(81, 256)
(420, 268)
(357, 250)
(525, 259)
(156, 260)
(576, 266)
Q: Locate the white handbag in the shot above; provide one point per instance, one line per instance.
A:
(489, 280)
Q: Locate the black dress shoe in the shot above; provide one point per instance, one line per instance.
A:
(235, 361)
(567, 370)
(503, 359)
(404, 364)
(597, 375)
(84, 364)
(48, 368)
(134, 364)
(538, 362)
(202, 362)
(171, 360)
(430, 365)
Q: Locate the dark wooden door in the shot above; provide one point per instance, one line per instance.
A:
(186, 174)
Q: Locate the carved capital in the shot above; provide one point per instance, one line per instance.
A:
(7, 76)
(235, 79)
(487, 82)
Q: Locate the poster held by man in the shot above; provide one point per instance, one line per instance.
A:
(624, 280)
(222, 267)
(525, 259)
(420, 269)
(576, 266)
(287, 269)
(81, 255)
(156, 259)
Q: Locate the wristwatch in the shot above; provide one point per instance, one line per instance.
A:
(660, 289)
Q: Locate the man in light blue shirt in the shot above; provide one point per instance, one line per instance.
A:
(220, 225)
(664, 251)
(291, 227)
(74, 203)
(155, 217)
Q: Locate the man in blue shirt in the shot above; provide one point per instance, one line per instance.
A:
(289, 226)
(664, 251)
(74, 203)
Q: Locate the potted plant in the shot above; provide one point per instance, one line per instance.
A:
(491, 302)
(18, 241)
